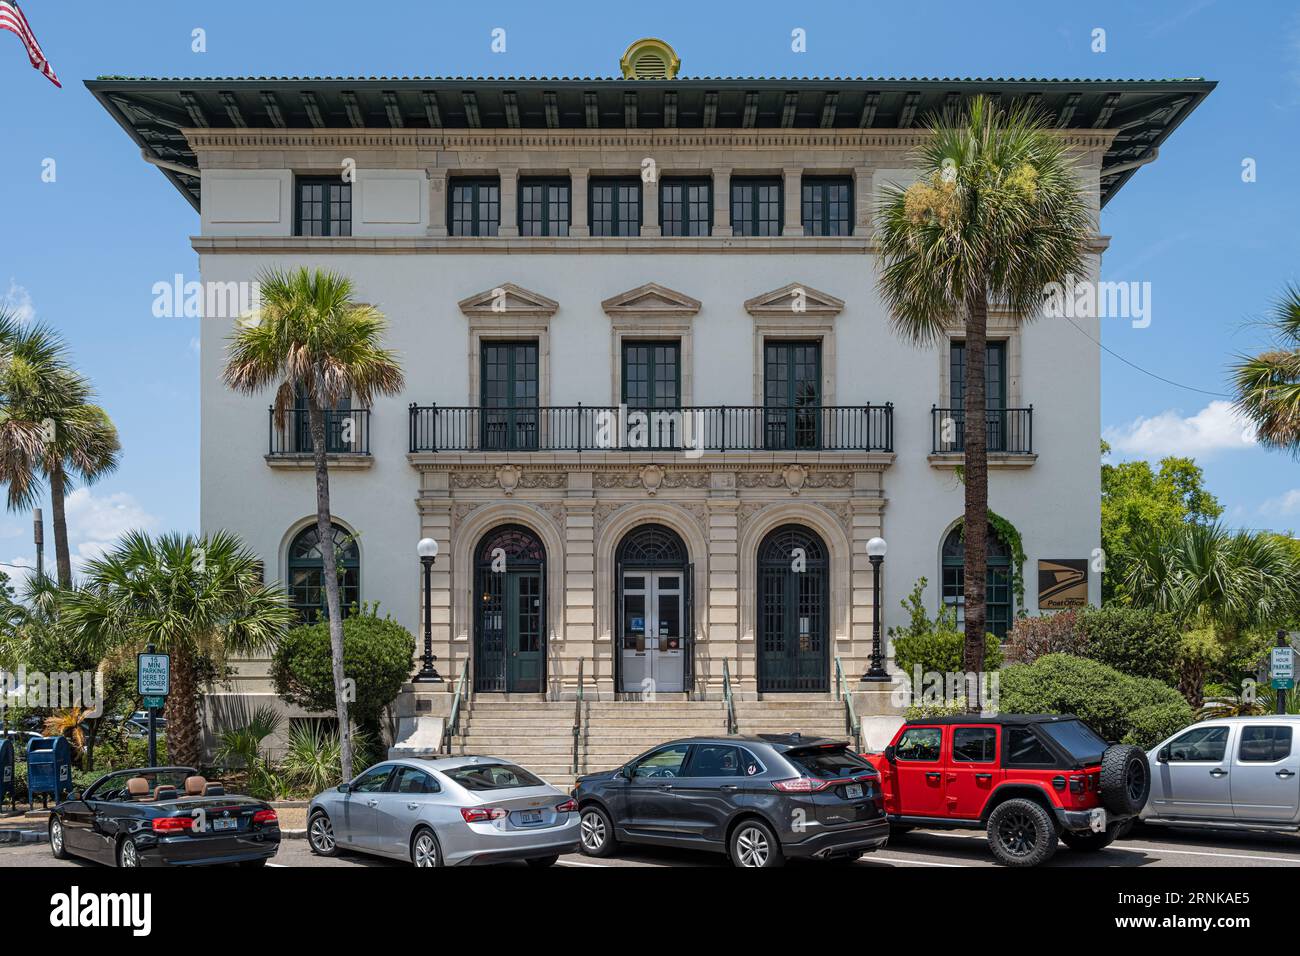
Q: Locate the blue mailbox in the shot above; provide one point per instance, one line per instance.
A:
(6, 770)
(49, 768)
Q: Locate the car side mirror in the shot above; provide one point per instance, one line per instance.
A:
(1163, 755)
(75, 795)
(627, 771)
(891, 754)
(344, 787)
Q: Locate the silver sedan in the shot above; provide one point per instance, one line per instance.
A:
(457, 810)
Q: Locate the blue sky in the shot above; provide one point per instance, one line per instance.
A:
(83, 252)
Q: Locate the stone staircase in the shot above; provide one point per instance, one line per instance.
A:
(538, 734)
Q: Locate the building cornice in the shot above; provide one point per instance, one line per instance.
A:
(226, 140)
(567, 245)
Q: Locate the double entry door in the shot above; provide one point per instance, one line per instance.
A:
(653, 640)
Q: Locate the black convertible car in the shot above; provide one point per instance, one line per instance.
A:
(163, 816)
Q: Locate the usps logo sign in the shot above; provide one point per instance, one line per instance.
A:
(154, 674)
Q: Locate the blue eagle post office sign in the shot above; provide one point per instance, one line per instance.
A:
(153, 674)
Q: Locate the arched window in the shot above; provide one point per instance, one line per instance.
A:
(510, 627)
(515, 542)
(653, 546)
(997, 591)
(306, 582)
(793, 611)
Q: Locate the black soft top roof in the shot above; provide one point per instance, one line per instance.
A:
(1017, 719)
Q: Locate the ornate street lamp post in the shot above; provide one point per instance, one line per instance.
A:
(876, 548)
(428, 551)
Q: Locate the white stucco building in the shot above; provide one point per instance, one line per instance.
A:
(548, 250)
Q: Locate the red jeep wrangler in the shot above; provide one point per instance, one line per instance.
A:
(1026, 779)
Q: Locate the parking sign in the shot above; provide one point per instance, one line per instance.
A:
(153, 674)
(1281, 667)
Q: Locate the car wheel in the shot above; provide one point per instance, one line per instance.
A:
(1090, 841)
(1021, 833)
(57, 846)
(320, 835)
(1125, 779)
(754, 845)
(544, 860)
(596, 831)
(424, 848)
(128, 856)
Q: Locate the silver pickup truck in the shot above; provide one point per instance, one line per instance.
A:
(1234, 772)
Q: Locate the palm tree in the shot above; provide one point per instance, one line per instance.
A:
(1208, 576)
(1268, 385)
(191, 598)
(49, 427)
(998, 214)
(312, 340)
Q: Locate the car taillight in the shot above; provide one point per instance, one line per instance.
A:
(265, 816)
(804, 785)
(568, 806)
(483, 814)
(172, 824)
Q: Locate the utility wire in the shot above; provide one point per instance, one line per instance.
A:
(1134, 365)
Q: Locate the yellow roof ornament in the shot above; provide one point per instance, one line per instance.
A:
(650, 59)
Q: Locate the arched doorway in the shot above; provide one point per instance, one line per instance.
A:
(510, 618)
(653, 595)
(793, 609)
(306, 581)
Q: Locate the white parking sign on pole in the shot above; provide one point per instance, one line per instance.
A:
(153, 674)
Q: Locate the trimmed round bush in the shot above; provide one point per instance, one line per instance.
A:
(378, 655)
(1107, 699)
(941, 652)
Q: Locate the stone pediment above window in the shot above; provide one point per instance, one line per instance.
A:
(651, 300)
(509, 300)
(794, 300)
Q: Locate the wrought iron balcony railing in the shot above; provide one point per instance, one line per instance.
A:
(436, 428)
(1010, 431)
(347, 432)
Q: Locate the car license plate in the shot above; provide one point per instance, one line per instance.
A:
(225, 824)
(853, 791)
(530, 817)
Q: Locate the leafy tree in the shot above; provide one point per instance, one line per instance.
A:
(999, 212)
(377, 655)
(197, 599)
(1139, 502)
(312, 338)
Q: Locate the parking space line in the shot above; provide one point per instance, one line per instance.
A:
(602, 866)
(903, 859)
(1227, 856)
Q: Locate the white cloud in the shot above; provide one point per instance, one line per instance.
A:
(96, 523)
(1283, 505)
(19, 301)
(1216, 427)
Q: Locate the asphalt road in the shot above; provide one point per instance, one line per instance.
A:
(919, 848)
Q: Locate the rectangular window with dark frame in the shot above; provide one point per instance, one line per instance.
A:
(995, 391)
(544, 207)
(615, 207)
(792, 385)
(474, 207)
(509, 390)
(686, 207)
(323, 207)
(652, 374)
(757, 206)
(827, 206)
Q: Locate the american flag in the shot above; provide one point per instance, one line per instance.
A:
(12, 19)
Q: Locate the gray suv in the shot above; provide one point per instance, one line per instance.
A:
(757, 799)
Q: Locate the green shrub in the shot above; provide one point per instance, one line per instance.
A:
(1053, 633)
(314, 758)
(941, 652)
(1138, 641)
(926, 711)
(1101, 696)
(378, 655)
(1150, 725)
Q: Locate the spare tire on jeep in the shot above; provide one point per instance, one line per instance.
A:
(1125, 779)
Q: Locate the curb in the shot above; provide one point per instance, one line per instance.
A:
(14, 837)
(293, 834)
